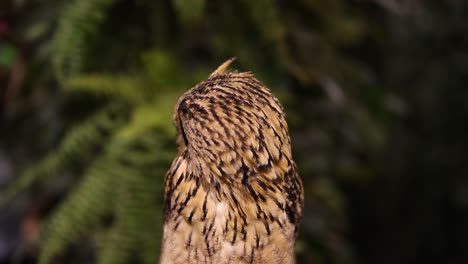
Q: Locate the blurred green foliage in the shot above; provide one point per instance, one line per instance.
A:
(361, 81)
(123, 145)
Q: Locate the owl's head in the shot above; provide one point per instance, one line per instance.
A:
(231, 120)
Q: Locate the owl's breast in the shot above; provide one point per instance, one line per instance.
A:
(202, 229)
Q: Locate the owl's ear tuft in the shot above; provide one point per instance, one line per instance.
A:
(223, 67)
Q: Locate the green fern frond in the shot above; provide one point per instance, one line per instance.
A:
(126, 180)
(138, 213)
(163, 71)
(126, 87)
(78, 23)
(130, 170)
(134, 217)
(79, 142)
(157, 113)
(82, 210)
(161, 76)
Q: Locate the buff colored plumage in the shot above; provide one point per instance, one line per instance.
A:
(233, 193)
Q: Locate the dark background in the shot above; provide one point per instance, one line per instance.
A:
(374, 92)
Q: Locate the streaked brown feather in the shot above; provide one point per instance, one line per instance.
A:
(233, 193)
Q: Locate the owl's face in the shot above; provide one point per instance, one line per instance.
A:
(232, 119)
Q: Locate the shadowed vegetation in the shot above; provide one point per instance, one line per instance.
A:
(373, 91)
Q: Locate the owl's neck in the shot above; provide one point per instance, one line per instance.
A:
(220, 223)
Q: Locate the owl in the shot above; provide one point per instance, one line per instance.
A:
(233, 193)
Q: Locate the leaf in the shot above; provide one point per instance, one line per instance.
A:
(79, 142)
(82, 210)
(78, 23)
(128, 88)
